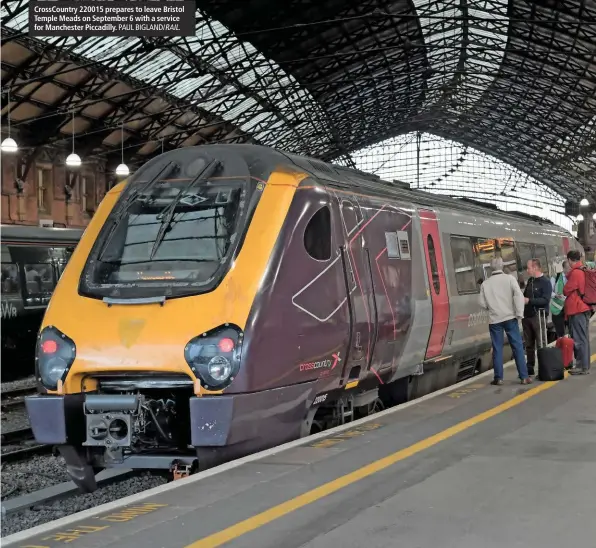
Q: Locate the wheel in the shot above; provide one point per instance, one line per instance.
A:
(373, 407)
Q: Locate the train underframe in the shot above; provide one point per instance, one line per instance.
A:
(160, 428)
(160, 425)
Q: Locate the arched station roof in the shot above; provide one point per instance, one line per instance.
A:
(515, 79)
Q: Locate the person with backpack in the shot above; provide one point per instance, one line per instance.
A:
(536, 297)
(579, 291)
(557, 300)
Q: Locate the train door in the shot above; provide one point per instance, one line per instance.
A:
(358, 287)
(435, 268)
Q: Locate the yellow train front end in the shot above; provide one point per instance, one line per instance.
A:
(146, 327)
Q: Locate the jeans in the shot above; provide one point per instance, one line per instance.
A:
(580, 333)
(511, 327)
(531, 327)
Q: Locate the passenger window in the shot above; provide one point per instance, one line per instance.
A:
(463, 261)
(524, 254)
(11, 283)
(506, 250)
(540, 253)
(317, 236)
(433, 265)
(484, 250)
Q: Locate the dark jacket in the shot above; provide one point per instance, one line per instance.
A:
(574, 288)
(539, 291)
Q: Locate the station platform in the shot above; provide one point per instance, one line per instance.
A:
(468, 467)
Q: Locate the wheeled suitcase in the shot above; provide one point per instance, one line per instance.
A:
(566, 346)
(550, 359)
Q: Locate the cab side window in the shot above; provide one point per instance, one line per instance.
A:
(317, 235)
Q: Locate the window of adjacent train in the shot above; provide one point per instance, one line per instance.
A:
(172, 235)
(462, 251)
(39, 278)
(432, 257)
(317, 235)
(60, 257)
(11, 283)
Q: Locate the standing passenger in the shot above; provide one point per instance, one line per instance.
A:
(578, 314)
(557, 300)
(502, 297)
(536, 297)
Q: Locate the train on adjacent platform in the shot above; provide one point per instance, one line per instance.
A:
(33, 259)
(229, 298)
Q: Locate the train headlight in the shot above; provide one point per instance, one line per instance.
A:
(215, 356)
(55, 354)
(219, 368)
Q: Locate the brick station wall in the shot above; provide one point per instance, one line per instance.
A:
(28, 207)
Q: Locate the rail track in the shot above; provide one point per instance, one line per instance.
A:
(25, 444)
(22, 438)
(15, 398)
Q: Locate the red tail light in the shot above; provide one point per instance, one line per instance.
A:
(49, 346)
(226, 345)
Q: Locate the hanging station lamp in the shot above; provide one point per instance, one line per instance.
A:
(579, 218)
(122, 170)
(9, 144)
(584, 202)
(73, 159)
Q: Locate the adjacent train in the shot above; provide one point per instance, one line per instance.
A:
(229, 298)
(32, 262)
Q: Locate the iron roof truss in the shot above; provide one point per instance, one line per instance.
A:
(514, 79)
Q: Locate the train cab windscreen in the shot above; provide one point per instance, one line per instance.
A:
(169, 235)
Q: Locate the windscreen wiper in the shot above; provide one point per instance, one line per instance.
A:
(167, 215)
(165, 172)
(130, 199)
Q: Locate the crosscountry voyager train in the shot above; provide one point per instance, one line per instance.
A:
(229, 298)
(33, 259)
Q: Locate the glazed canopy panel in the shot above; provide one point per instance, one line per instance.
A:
(512, 78)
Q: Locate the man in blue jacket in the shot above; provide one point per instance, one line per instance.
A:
(536, 297)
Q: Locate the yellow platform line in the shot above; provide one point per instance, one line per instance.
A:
(254, 522)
